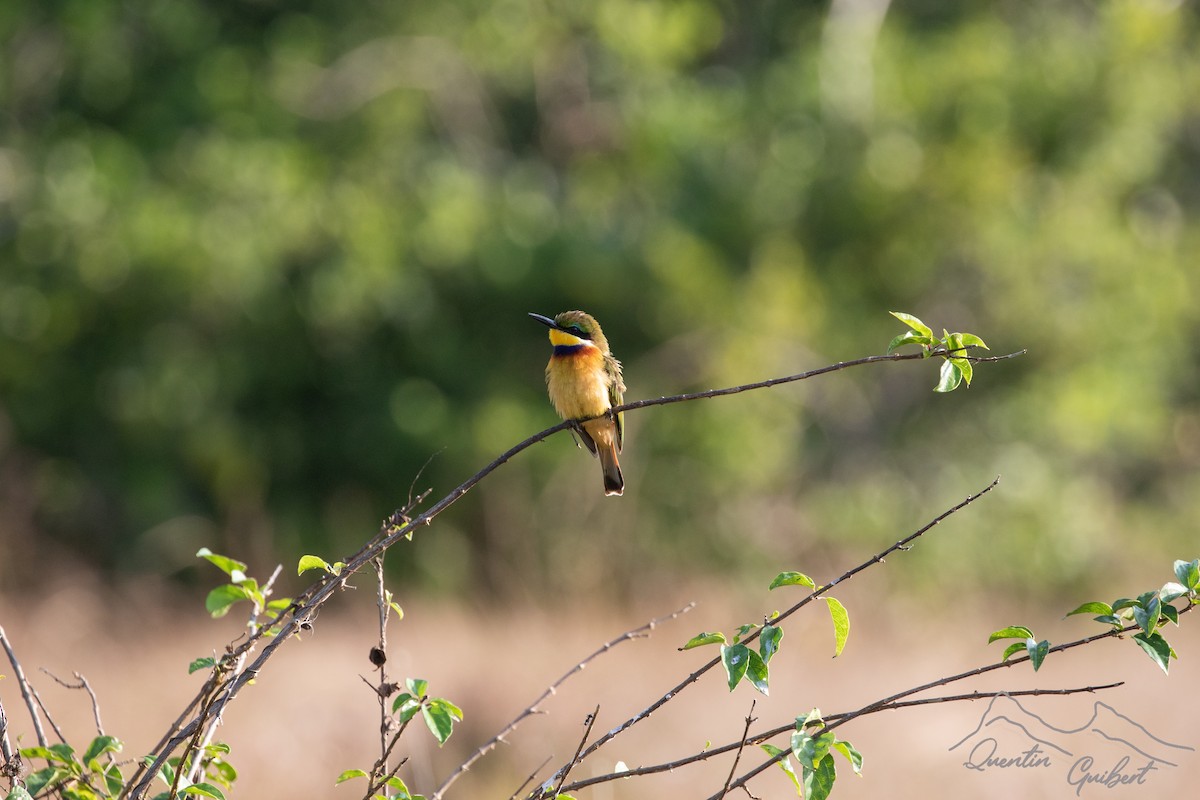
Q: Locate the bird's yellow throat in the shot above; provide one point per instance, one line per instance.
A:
(562, 339)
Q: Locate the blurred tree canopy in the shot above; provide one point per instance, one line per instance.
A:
(264, 261)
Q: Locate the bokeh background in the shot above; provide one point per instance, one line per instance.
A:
(266, 266)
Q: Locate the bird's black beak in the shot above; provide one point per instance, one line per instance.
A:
(549, 323)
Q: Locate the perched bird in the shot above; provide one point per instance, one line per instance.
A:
(584, 381)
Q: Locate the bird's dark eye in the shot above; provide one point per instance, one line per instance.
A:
(578, 331)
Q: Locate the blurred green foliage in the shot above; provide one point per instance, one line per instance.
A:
(262, 261)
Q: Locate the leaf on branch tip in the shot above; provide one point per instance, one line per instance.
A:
(914, 323)
(1011, 632)
(312, 562)
(792, 579)
(223, 563)
(702, 639)
(1094, 607)
(350, 774)
(841, 624)
(201, 663)
(1037, 652)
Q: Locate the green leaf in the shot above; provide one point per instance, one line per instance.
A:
(818, 782)
(407, 705)
(1123, 603)
(1171, 613)
(201, 663)
(1171, 591)
(39, 780)
(1093, 607)
(1018, 647)
(756, 672)
(1037, 652)
(742, 631)
(312, 562)
(1188, 573)
(784, 763)
(1156, 647)
(349, 775)
(1111, 620)
(792, 579)
(908, 337)
(46, 753)
(220, 599)
(949, 378)
(768, 641)
(227, 565)
(914, 323)
(810, 750)
(1011, 632)
(970, 340)
(736, 659)
(417, 686)
(1147, 612)
(99, 746)
(966, 368)
(440, 715)
(398, 785)
(204, 790)
(852, 755)
(19, 793)
(114, 781)
(841, 624)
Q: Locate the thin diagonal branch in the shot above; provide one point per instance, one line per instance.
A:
(26, 689)
(750, 720)
(640, 632)
(565, 771)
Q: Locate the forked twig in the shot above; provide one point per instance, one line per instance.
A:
(640, 632)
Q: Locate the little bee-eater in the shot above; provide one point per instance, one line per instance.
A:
(584, 381)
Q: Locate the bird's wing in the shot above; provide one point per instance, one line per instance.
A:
(616, 389)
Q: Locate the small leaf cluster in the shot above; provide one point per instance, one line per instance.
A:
(439, 715)
(818, 770)
(1151, 611)
(95, 776)
(217, 771)
(957, 368)
(399, 788)
(741, 663)
(241, 587)
(1029, 643)
(438, 712)
(85, 777)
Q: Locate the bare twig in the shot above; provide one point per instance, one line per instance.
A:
(26, 690)
(532, 709)
(750, 720)
(530, 779)
(83, 684)
(565, 771)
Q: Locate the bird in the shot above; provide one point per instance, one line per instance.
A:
(584, 382)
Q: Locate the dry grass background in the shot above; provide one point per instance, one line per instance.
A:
(309, 716)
